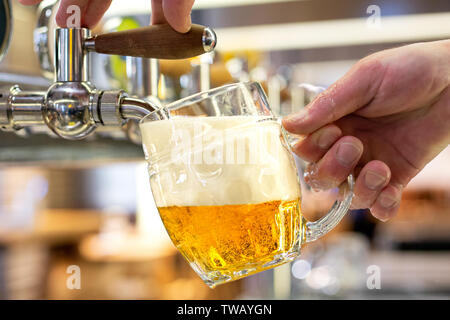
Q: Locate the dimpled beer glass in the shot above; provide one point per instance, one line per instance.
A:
(226, 185)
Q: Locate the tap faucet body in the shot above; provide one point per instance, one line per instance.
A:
(73, 107)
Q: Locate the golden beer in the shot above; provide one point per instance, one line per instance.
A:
(222, 241)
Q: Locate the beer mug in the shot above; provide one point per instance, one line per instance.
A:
(226, 185)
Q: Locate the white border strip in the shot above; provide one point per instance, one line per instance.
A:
(132, 7)
(334, 33)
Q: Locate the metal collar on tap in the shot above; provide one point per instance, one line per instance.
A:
(114, 107)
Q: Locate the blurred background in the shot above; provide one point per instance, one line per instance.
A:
(88, 203)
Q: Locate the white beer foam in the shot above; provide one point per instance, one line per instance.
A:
(206, 161)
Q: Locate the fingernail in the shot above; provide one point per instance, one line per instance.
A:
(374, 180)
(387, 202)
(297, 117)
(347, 154)
(327, 137)
(382, 216)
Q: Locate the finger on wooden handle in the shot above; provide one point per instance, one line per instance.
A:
(157, 41)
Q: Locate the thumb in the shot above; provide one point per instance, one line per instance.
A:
(350, 93)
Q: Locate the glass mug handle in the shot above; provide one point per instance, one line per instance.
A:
(316, 229)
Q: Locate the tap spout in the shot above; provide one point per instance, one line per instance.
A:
(132, 108)
(116, 107)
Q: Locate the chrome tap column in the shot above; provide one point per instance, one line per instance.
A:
(71, 61)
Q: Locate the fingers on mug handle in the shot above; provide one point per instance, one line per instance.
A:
(387, 203)
(373, 178)
(328, 172)
(316, 229)
(313, 147)
(336, 165)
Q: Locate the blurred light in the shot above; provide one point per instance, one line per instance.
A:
(235, 67)
(258, 74)
(36, 188)
(320, 277)
(185, 81)
(103, 191)
(301, 269)
(24, 203)
(332, 288)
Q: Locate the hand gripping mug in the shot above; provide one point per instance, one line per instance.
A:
(226, 185)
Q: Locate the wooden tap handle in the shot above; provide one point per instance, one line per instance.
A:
(157, 41)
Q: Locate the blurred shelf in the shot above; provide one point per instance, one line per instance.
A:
(417, 272)
(55, 226)
(40, 149)
(334, 33)
(123, 247)
(414, 231)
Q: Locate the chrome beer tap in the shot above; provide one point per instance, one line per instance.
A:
(73, 107)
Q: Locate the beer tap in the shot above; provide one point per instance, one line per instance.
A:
(73, 107)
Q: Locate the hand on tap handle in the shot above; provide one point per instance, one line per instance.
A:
(177, 13)
(386, 119)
